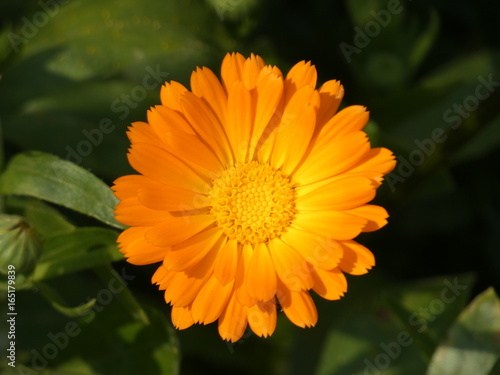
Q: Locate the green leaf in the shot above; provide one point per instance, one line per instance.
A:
(424, 42)
(125, 348)
(233, 10)
(44, 219)
(57, 301)
(392, 329)
(473, 343)
(104, 37)
(110, 337)
(125, 297)
(19, 245)
(463, 69)
(80, 249)
(483, 143)
(74, 311)
(48, 177)
(359, 10)
(95, 62)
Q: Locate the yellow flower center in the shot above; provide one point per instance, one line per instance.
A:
(252, 202)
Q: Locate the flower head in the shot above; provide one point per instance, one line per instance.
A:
(250, 192)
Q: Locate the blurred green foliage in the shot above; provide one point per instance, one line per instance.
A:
(74, 74)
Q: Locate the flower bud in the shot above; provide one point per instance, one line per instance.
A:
(18, 244)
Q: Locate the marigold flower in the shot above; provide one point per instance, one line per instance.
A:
(250, 191)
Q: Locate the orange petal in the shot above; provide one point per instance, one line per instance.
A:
(181, 289)
(330, 284)
(320, 251)
(175, 229)
(375, 215)
(341, 193)
(330, 224)
(193, 250)
(240, 284)
(233, 320)
(348, 120)
(130, 234)
(331, 94)
(160, 273)
(205, 84)
(268, 95)
(210, 301)
(184, 144)
(170, 198)
(171, 93)
(327, 160)
(143, 132)
(261, 279)
(126, 186)
(295, 130)
(357, 259)
(164, 167)
(162, 119)
(262, 318)
(266, 143)
(302, 74)
(268, 70)
(204, 122)
(298, 307)
(227, 262)
(135, 247)
(132, 212)
(181, 317)
(300, 135)
(379, 159)
(240, 114)
(251, 70)
(232, 69)
(291, 267)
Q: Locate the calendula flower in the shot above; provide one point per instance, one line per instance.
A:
(250, 192)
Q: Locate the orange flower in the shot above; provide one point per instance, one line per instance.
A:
(250, 191)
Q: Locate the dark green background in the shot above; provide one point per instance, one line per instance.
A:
(84, 65)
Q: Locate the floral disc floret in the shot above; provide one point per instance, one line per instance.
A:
(252, 202)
